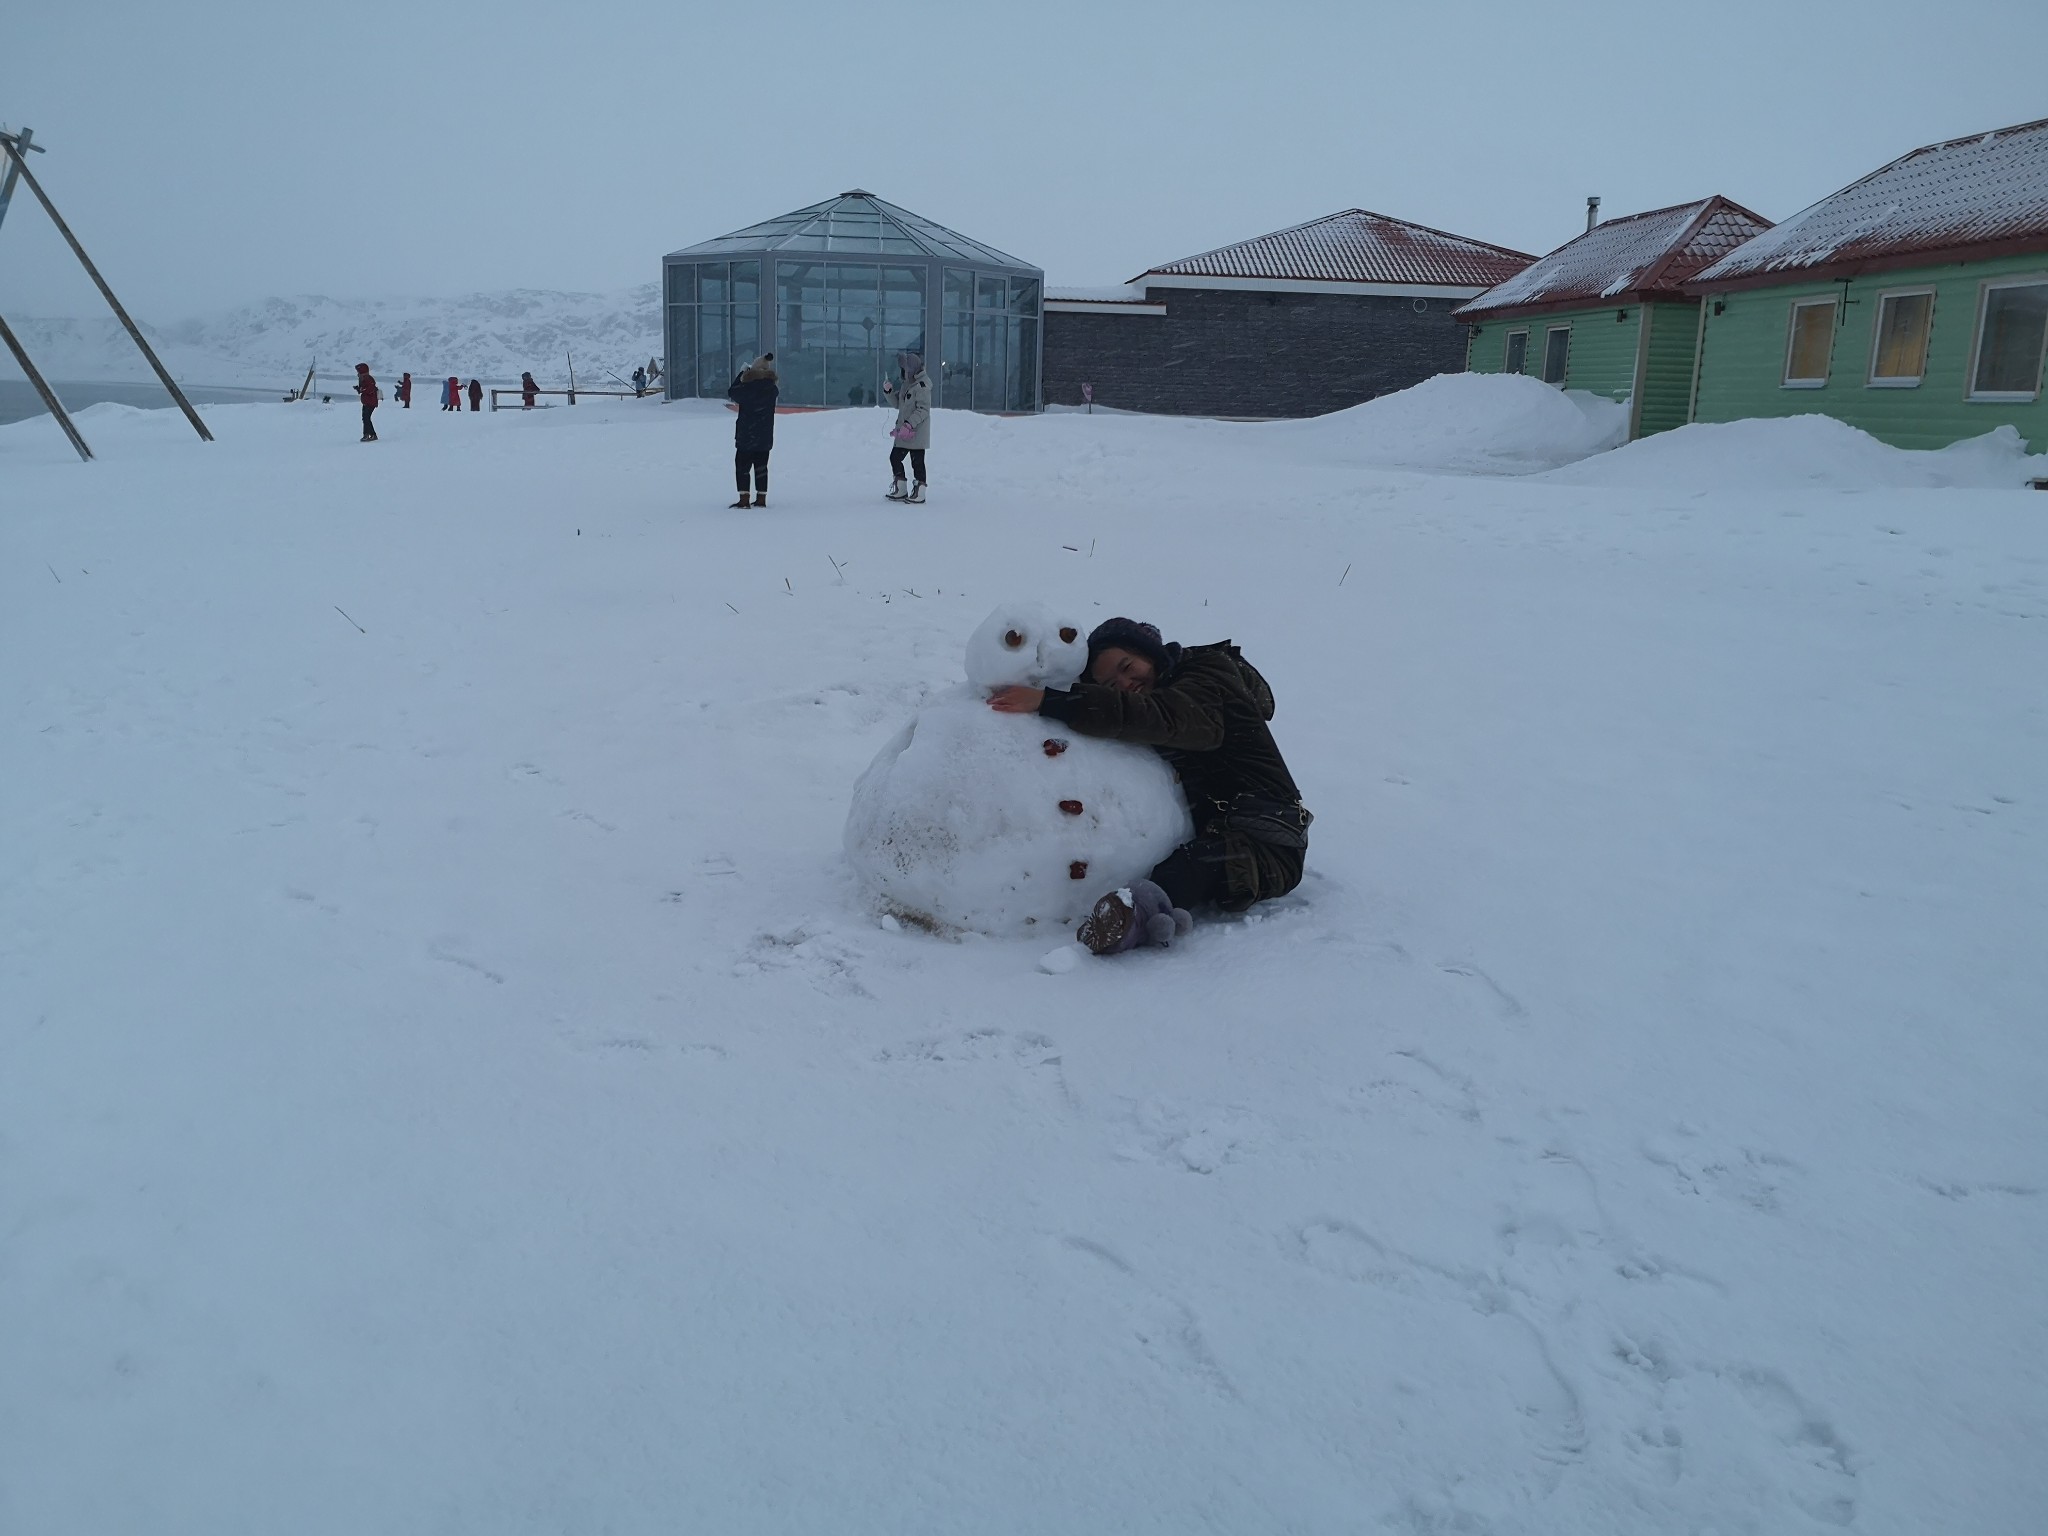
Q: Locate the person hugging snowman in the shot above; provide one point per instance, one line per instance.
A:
(1204, 709)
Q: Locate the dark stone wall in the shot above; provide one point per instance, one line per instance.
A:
(1224, 352)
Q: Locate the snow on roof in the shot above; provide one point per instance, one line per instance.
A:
(1640, 254)
(1356, 246)
(1988, 189)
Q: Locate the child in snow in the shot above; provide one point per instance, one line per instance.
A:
(366, 391)
(912, 397)
(1204, 708)
(451, 394)
(754, 390)
(528, 391)
(404, 391)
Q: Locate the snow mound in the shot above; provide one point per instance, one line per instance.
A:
(1806, 451)
(1470, 424)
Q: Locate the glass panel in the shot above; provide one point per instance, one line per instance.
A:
(1902, 324)
(957, 366)
(993, 292)
(1023, 389)
(959, 289)
(852, 283)
(1518, 353)
(798, 359)
(1813, 333)
(746, 334)
(903, 287)
(681, 364)
(988, 362)
(901, 334)
(682, 284)
(712, 373)
(746, 282)
(852, 376)
(2009, 351)
(1557, 346)
(1023, 295)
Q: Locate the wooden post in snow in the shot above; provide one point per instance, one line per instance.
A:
(50, 400)
(20, 165)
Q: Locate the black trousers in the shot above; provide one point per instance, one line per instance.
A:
(755, 459)
(1229, 870)
(896, 456)
(369, 428)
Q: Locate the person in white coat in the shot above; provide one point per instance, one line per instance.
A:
(911, 394)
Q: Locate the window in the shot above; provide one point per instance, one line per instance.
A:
(1898, 353)
(1518, 353)
(1806, 349)
(1557, 346)
(2012, 328)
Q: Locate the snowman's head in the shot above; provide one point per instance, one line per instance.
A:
(1028, 645)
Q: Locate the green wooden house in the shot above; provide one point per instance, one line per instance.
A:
(1607, 313)
(1912, 304)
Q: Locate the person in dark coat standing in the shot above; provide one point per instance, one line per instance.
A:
(754, 390)
(404, 391)
(639, 382)
(451, 394)
(528, 391)
(1204, 709)
(476, 395)
(366, 391)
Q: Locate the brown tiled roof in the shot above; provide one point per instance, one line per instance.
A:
(1978, 196)
(1356, 246)
(1645, 255)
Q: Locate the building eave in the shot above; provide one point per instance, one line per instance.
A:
(1309, 285)
(1881, 261)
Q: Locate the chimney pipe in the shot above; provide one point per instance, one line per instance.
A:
(1592, 211)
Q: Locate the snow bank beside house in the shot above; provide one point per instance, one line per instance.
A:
(1468, 423)
(1790, 452)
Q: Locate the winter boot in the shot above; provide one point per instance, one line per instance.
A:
(742, 504)
(916, 496)
(760, 499)
(896, 491)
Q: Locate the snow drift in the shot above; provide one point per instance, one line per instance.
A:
(1806, 451)
(1466, 423)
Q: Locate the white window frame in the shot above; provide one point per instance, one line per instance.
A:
(1507, 346)
(1785, 379)
(1884, 297)
(1984, 291)
(1548, 332)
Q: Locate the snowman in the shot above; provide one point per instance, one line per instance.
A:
(1009, 824)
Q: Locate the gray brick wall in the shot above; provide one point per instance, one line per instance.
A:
(1224, 352)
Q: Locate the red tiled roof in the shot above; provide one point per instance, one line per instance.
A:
(1356, 246)
(1988, 191)
(1640, 256)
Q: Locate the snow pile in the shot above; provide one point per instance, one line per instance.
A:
(1806, 451)
(1466, 423)
(1002, 824)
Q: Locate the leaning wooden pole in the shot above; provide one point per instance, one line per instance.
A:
(134, 332)
(56, 406)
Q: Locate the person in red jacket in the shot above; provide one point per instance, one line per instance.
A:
(476, 395)
(403, 394)
(451, 394)
(366, 390)
(528, 391)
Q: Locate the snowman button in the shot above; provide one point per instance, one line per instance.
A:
(1071, 807)
(1078, 870)
(1054, 747)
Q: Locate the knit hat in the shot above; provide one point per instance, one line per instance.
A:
(1130, 635)
(912, 363)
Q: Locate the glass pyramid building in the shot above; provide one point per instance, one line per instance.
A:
(836, 291)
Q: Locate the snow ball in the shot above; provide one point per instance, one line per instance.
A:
(1057, 962)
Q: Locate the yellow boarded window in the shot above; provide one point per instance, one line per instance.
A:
(1903, 321)
(1813, 333)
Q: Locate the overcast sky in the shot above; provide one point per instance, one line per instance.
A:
(215, 152)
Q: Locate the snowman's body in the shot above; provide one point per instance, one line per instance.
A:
(1009, 824)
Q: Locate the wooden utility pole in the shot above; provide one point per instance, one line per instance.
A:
(19, 165)
(50, 400)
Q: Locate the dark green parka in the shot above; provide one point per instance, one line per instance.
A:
(1207, 716)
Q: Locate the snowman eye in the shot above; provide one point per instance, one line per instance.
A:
(1012, 639)
(1069, 634)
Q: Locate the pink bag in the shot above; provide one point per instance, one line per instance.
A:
(903, 431)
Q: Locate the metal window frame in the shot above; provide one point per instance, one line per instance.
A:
(1566, 372)
(1785, 379)
(1871, 378)
(1507, 346)
(1971, 394)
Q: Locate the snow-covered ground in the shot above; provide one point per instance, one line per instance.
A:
(450, 1082)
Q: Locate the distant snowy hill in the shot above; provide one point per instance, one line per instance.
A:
(486, 335)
